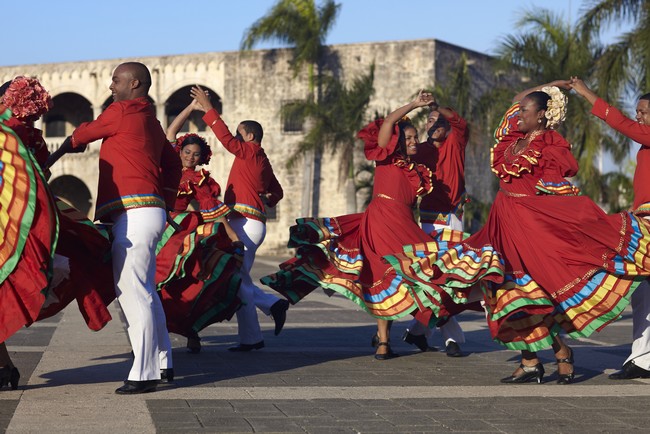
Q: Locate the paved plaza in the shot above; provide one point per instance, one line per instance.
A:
(317, 376)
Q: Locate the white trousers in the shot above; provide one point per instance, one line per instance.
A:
(251, 233)
(136, 233)
(451, 331)
(640, 354)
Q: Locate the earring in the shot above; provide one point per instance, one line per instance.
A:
(539, 121)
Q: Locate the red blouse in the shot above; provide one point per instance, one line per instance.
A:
(396, 178)
(545, 162)
(200, 186)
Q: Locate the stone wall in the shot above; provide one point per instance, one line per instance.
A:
(255, 85)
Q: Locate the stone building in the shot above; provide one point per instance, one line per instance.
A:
(251, 85)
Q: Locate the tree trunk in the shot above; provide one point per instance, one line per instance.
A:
(350, 196)
(307, 184)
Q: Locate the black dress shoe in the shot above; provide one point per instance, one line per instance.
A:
(419, 341)
(167, 375)
(279, 314)
(248, 347)
(133, 387)
(629, 372)
(453, 350)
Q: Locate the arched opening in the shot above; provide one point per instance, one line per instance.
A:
(68, 112)
(181, 99)
(72, 190)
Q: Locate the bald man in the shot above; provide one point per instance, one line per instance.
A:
(139, 173)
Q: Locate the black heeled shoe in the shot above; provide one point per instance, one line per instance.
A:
(374, 341)
(388, 355)
(566, 378)
(9, 377)
(528, 373)
(193, 345)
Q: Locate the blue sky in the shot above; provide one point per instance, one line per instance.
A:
(46, 31)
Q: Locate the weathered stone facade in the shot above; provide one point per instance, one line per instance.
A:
(252, 85)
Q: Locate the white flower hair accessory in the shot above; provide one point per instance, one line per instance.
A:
(556, 106)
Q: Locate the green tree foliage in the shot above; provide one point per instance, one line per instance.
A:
(624, 65)
(300, 24)
(336, 119)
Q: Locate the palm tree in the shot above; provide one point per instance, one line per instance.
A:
(336, 119)
(303, 25)
(547, 49)
(625, 65)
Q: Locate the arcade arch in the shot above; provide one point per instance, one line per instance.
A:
(180, 99)
(68, 112)
(73, 191)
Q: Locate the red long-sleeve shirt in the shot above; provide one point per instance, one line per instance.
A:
(448, 166)
(251, 174)
(640, 134)
(137, 165)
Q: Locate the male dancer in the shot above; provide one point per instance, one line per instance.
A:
(252, 186)
(139, 174)
(444, 154)
(637, 364)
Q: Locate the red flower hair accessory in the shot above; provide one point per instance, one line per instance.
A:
(206, 152)
(25, 97)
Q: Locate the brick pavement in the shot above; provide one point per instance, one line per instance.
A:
(318, 376)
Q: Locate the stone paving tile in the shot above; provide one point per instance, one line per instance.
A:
(634, 421)
(7, 409)
(176, 418)
(209, 403)
(33, 336)
(468, 425)
(159, 405)
(331, 430)
(284, 425)
(562, 427)
(379, 415)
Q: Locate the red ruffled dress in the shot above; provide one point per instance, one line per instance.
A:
(34, 228)
(568, 265)
(197, 268)
(344, 253)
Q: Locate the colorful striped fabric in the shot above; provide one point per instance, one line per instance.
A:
(325, 258)
(198, 274)
(249, 211)
(129, 202)
(17, 193)
(28, 235)
(521, 314)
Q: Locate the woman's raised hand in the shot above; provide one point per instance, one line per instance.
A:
(201, 97)
(424, 99)
(562, 84)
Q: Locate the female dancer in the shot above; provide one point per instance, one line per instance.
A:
(197, 268)
(37, 282)
(568, 266)
(344, 253)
